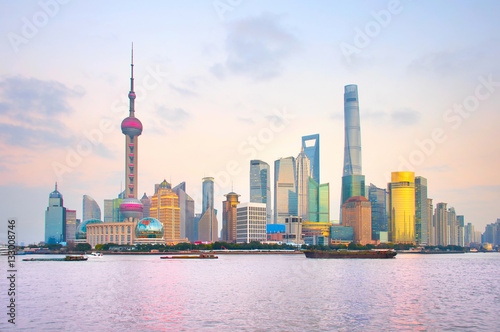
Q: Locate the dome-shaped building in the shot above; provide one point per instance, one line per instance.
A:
(149, 230)
(81, 231)
(131, 208)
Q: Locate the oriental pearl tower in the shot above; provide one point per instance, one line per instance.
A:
(131, 207)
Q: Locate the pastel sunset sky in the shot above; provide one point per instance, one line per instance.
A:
(221, 82)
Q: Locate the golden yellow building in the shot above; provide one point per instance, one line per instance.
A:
(165, 208)
(401, 191)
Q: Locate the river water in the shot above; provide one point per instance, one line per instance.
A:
(257, 293)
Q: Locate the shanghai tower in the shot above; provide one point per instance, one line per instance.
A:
(353, 182)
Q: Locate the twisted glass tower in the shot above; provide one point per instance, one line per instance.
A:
(353, 182)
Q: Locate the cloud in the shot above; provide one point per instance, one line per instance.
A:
(183, 91)
(398, 117)
(31, 112)
(172, 118)
(256, 47)
(405, 117)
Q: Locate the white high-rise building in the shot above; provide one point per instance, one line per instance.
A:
(251, 222)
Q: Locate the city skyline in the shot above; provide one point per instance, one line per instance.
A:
(209, 106)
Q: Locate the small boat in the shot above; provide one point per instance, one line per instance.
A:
(94, 255)
(200, 256)
(65, 259)
(350, 254)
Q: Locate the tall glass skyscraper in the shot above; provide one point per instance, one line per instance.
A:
(441, 220)
(260, 185)
(319, 201)
(91, 209)
(353, 182)
(208, 194)
(402, 207)
(422, 232)
(303, 171)
(285, 196)
(378, 199)
(310, 145)
(55, 219)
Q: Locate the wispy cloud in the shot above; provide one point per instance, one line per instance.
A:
(256, 47)
(31, 112)
(398, 117)
(170, 118)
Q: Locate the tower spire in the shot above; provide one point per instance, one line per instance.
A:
(131, 94)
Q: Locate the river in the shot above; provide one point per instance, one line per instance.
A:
(257, 293)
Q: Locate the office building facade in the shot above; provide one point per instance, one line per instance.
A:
(251, 222)
(260, 185)
(285, 195)
(401, 192)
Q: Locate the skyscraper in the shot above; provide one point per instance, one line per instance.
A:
(310, 145)
(260, 185)
(131, 207)
(378, 200)
(186, 206)
(165, 208)
(430, 219)
(353, 182)
(357, 213)
(402, 207)
(208, 226)
(55, 219)
(251, 222)
(441, 220)
(319, 202)
(146, 205)
(229, 207)
(208, 194)
(285, 196)
(303, 171)
(460, 230)
(91, 209)
(422, 233)
(70, 225)
(452, 227)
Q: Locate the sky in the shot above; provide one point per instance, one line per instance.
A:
(221, 82)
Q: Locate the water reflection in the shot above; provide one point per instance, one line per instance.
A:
(253, 292)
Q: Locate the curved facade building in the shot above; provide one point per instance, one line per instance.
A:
(208, 194)
(81, 231)
(91, 209)
(149, 228)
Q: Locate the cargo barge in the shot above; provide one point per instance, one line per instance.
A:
(350, 254)
(65, 259)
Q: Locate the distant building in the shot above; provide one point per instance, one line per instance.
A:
(319, 201)
(293, 230)
(341, 234)
(208, 227)
(146, 205)
(275, 232)
(149, 231)
(70, 225)
(165, 208)
(55, 219)
(401, 191)
(260, 185)
(91, 209)
(422, 232)
(316, 232)
(302, 169)
(442, 228)
(460, 232)
(432, 225)
(378, 200)
(357, 213)
(452, 226)
(285, 195)
(112, 210)
(229, 219)
(251, 222)
(186, 208)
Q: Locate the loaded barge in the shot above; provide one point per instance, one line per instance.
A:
(350, 254)
(65, 259)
